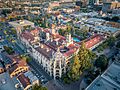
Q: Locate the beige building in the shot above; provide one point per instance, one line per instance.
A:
(52, 55)
(17, 66)
(21, 25)
(56, 52)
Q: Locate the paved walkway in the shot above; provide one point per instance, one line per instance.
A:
(51, 85)
(55, 85)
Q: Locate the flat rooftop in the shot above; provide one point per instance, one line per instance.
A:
(106, 29)
(102, 84)
(112, 74)
(109, 80)
(95, 19)
(6, 82)
(21, 23)
(85, 14)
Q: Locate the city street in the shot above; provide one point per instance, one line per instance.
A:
(38, 71)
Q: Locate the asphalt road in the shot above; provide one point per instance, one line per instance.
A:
(34, 65)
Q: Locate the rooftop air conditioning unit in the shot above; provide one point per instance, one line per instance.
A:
(21, 22)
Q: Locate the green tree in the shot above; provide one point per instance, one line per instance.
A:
(85, 56)
(36, 87)
(118, 45)
(13, 31)
(69, 28)
(115, 18)
(101, 62)
(74, 71)
(81, 62)
(9, 50)
(61, 32)
(110, 41)
(26, 58)
(66, 80)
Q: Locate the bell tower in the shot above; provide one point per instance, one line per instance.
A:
(53, 29)
(59, 64)
(69, 39)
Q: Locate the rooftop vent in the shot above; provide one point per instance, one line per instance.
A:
(3, 81)
(47, 49)
(21, 22)
(41, 45)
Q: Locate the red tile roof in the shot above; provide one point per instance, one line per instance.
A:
(72, 46)
(16, 62)
(72, 50)
(28, 36)
(93, 40)
(69, 53)
(34, 32)
(24, 80)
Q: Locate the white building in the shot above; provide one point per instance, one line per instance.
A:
(109, 80)
(109, 30)
(53, 53)
(21, 25)
(52, 50)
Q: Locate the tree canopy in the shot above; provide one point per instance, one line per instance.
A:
(74, 72)
(9, 50)
(81, 61)
(36, 87)
(64, 32)
(109, 42)
(85, 56)
(101, 62)
(26, 58)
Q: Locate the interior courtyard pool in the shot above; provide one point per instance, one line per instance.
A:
(76, 39)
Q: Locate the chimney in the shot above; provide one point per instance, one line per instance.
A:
(47, 49)
(47, 36)
(58, 49)
(74, 48)
(57, 43)
(28, 39)
(41, 45)
(51, 39)
(21, 22)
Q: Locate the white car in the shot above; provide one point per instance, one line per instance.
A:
(1, 48)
